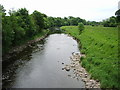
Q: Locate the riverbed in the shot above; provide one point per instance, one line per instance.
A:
(41, 65)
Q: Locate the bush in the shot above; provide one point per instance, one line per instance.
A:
(81, 58)
(81, 27)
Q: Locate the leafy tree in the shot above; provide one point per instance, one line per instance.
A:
(21, 24)
(39, 20)
(51, 22)
(24, 21)
(110, 22)
(58, 21)
(117, 13)
(81, 27)
(2, 11)
(65, 21)
(7, 34)
(7, 31)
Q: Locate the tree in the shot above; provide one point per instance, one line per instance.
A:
(7, 34)
(81, 27)
(110, 22)
(39, 20)
(51, 22)
(65, 21)
(117, 13)
(2, 11)
(20, 26)
(7, 31)
(21, 23)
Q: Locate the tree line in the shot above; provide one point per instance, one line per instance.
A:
(19, 25)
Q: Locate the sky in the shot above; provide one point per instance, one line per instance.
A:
(92, 10)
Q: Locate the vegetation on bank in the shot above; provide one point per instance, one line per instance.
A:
(20, 26)
(100, 45)
(81, 27)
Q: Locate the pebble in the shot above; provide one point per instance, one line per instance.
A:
(79, 71)
(67, 68)
(63, 68)
(72, 65)
(77, 78)
(69, 75)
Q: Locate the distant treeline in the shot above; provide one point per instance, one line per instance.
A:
(20, 25)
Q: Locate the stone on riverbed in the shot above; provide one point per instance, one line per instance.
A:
(79, 71)
(67, 68)
(69, 75)
(62, 63)
(72, 65)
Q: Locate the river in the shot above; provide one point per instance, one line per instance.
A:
(42, 66)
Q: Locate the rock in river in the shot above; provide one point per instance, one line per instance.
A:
(67, 68)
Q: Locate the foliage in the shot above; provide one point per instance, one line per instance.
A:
(117, 13)
(7, 33)
(39, 20)
(66, 21)
(111, 22)
(100, 45)
(19, 26)
(80, 27)
(2, 11)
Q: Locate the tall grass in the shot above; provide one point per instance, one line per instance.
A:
(100, 45)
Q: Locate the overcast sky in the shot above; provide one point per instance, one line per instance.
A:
(96, 10)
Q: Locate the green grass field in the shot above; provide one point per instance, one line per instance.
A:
(100, 45)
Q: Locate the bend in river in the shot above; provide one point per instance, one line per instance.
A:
(44, 67)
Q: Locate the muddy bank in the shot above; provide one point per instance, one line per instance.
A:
(80, 72)
(17, 57)
(14, 52)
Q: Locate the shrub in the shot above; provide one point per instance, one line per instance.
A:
(81, 27)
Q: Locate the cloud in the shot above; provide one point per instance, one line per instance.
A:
(87, 9)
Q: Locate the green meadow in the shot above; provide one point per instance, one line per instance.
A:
(100, 45)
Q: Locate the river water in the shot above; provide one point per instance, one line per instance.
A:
(43, 69)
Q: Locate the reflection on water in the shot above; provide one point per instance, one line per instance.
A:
(42, 67)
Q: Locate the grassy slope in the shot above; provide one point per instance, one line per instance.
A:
(100, 44)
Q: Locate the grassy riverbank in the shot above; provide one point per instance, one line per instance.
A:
(100, 45)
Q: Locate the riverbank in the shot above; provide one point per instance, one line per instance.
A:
(43, 63)
(100, 45)
(17, 49)
(80, 72)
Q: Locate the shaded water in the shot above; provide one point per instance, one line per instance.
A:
(44, 67)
